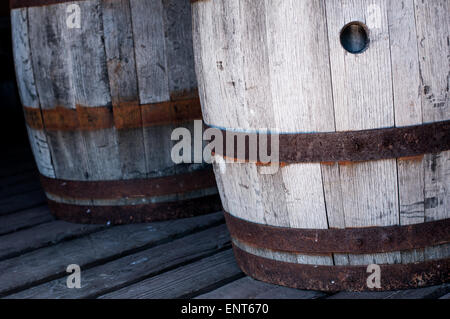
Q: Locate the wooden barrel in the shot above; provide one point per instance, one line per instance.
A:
(103, 85)
(356, 94)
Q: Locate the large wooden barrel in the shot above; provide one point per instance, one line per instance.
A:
(357, 95)
(103, 84)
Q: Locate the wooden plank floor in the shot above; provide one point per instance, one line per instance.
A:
(190, 258)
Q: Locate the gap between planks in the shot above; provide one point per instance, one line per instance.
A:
(26, 271)
(25, 219)
(131, 269)
(184, 282)
(43, 235)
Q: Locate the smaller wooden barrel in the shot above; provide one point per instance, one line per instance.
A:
(103, 84)
(354, 97)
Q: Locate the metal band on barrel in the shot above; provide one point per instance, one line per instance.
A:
(350, 146)
(16, 4)
(151, 187)
(122, 116)
(369, 240)
(137, 213)
(338, 278)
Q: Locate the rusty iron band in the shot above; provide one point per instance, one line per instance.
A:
(369, 240)
(339, 278)
(151, 187)
(15, 4)
(121, 116)
(135, 214)
(350, 146)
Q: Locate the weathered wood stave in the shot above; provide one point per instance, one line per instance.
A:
(280, 66)
(101, 100)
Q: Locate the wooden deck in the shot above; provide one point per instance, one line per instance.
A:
(190, 258)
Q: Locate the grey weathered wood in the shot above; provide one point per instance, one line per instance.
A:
(164, 61)
(46, 234)
(433, 292)
(407, 107)
(409, 100)
(54, 78)
(118, 273)
(27, 88)
(150, 50)
(91, 86)
(22, 56)
(247, 83)
(158, 147)
(47, 42)
(49, 263)
(202, 54)
(41, 150)
(248, 288)
(405, 63)
(306, 72)
(335, 206)
(447, 296)
(25, 219)
(256, 74)
(256, 94)
(411, 199)
(119, 46)
(178, 42)
(433, 27)
(158, 144)
(362, 94)
(183, 281)
(22, 201)
(90, 77)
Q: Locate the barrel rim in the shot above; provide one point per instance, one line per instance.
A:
(130, 214)
(342, 278)
(145, 187)
(362, 240)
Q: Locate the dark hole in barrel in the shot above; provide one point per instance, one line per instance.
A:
(355, 37)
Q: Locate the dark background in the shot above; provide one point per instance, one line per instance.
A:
(12, 124)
